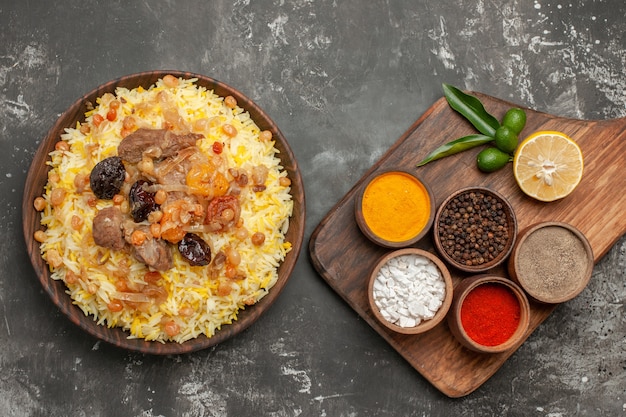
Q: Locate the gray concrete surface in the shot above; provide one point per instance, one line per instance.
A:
(343, 80)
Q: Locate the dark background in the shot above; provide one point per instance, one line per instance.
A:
(343, 80)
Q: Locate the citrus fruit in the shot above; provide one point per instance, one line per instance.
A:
(491, 159)
(506, 139)
(515, 119)
(548, 165)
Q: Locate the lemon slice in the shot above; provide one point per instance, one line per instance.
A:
(548, 165)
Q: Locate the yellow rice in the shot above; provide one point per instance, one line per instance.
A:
(189, 288)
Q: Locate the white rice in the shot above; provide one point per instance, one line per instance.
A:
(90, 272)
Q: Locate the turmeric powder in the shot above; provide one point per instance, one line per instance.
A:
(396, 206)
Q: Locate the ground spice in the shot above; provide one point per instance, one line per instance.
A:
(396, 206)
(490, 314)
(552, 262)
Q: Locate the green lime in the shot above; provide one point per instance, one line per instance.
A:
(506, 139)
(492, 159)
(515, 119)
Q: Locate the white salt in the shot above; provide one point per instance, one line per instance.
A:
(409, 289)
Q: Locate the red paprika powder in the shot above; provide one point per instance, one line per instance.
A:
(490, 314)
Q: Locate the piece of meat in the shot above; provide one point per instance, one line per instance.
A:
(155, 253)
(160, 143)
(107, 228)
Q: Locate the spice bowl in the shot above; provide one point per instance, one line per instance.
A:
(475, 229)
(552, 262)
(489, 314)
(394, 208)
(410, 291)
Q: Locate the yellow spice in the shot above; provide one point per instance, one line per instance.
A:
(396, 206)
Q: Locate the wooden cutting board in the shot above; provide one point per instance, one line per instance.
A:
(344, 257)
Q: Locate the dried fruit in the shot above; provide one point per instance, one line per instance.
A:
(142, 202)
(195, 250)
(107, 177)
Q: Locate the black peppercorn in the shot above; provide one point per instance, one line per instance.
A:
(473, 228)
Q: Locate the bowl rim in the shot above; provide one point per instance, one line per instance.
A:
(465, 287)
(35, 181)
(367, 231)
(425, 325)
(523, 236)
(502, 257)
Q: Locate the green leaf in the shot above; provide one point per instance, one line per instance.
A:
(456, 146)
(472, 109)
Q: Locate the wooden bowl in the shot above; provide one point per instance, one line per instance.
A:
(447, 209)
(37, 177)
(426, 324)
(552, 262)
(412, 229)
(463, 289)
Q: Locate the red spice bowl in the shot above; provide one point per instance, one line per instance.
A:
(394, 208)
(475, 229)
(552, 262)
(489, 314)
(410, 291)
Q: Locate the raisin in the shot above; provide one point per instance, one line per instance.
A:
(223, 213)
(195, 250)
(107, 177)
(141, 201)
